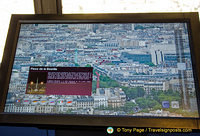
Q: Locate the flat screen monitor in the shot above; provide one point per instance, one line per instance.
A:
(99, 70)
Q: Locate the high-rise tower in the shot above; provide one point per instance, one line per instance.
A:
(182, 68)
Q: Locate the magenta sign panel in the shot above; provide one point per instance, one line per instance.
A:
(60, 81)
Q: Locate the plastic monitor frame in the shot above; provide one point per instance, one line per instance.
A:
(87, 120)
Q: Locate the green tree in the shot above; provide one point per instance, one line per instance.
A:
(77, 65)
(152, 103)
(88, 65)
(146, 103)
(94, 86)
(129, 107)
(133, 93)
(160, 95)
(155, 94)
(142, 102)
(140, 92)
(107, 82)
(69, 111)
(109, 108)
(150, 64)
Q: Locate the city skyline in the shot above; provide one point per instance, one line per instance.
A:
(150, 56)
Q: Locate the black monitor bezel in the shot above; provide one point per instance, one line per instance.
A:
(92, 120)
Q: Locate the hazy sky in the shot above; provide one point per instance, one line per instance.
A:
(8, 7)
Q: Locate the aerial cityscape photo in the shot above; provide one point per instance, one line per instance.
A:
(138, 69)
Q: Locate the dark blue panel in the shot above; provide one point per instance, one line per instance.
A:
(25, 131)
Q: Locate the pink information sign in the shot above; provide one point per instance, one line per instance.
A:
(60, 80)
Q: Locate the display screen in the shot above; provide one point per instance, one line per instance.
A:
(116, 69)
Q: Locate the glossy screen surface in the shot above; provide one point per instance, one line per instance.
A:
(138, 69)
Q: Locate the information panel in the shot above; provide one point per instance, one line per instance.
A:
(60, 81)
